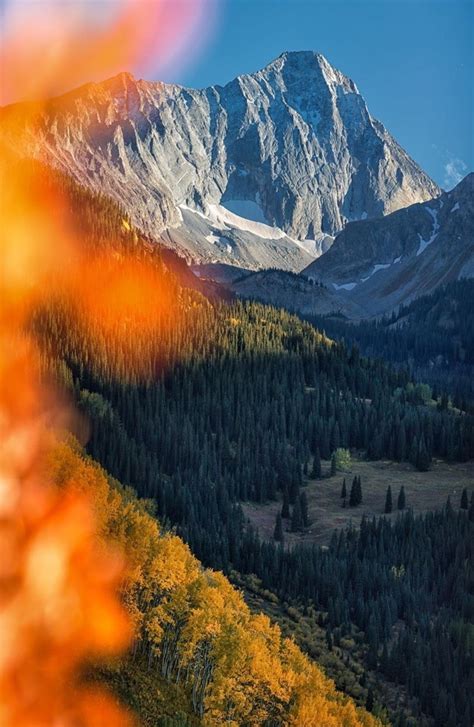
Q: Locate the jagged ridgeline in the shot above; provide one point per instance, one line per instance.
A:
(199, 656)
(294, 142)
(219, 403)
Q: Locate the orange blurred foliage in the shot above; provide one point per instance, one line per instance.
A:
(53, 45)
(59, 603)
(58, 589)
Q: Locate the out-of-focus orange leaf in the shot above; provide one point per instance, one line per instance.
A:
(59, 602)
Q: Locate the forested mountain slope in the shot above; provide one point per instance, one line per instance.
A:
(217, 404)
(195, 638)
(434, 336)
(230, 411)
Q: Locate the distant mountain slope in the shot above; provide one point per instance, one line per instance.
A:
(293, 292)
(383, 263)
(433, 336)
(236, 174)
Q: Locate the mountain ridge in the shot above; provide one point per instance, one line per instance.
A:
(383, 263)
(294, 139)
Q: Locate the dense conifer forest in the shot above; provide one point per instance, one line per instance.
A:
(433, 335)
(224, 402)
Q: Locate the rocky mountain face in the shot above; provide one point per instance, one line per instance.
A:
(264, 171)
(381, 263)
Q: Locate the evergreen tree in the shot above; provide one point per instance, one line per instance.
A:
(329, 639)
(316, 471)
(401, 502)
(294, 491)
(355, 497)
(414, 449)
(285, 510)
(464, 500)
(344, 489)
(401, 443)
(297, 517)
(333, 464)
(423, 459)
(304, 509)
(370, 701)
(278, 532)
(388, 501)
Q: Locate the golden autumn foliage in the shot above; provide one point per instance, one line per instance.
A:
(192, 627)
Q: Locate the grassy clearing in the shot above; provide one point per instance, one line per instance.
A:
(424, 491)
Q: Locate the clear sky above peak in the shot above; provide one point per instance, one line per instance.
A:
(412, 60)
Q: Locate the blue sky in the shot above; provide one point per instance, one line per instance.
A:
(411, 59)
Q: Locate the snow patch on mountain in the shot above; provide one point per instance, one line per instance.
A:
(381, 266)
(344, 286)
(222, 215)
(246, 208)
(213, 238)
(434, 234)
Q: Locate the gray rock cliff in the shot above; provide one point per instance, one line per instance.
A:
(292, 150)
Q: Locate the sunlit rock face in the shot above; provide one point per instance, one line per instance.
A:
(290, 149)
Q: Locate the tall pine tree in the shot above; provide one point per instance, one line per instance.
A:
(316, 471)
(355, 498)
(344, 489)
(278, 532)
(388, 501)
(304, 510)
(401, 502)
(297, 517)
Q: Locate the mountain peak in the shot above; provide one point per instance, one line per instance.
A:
(306, 56)
(307, 67)
(122, 79)
(291, 148)
(299, 58)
